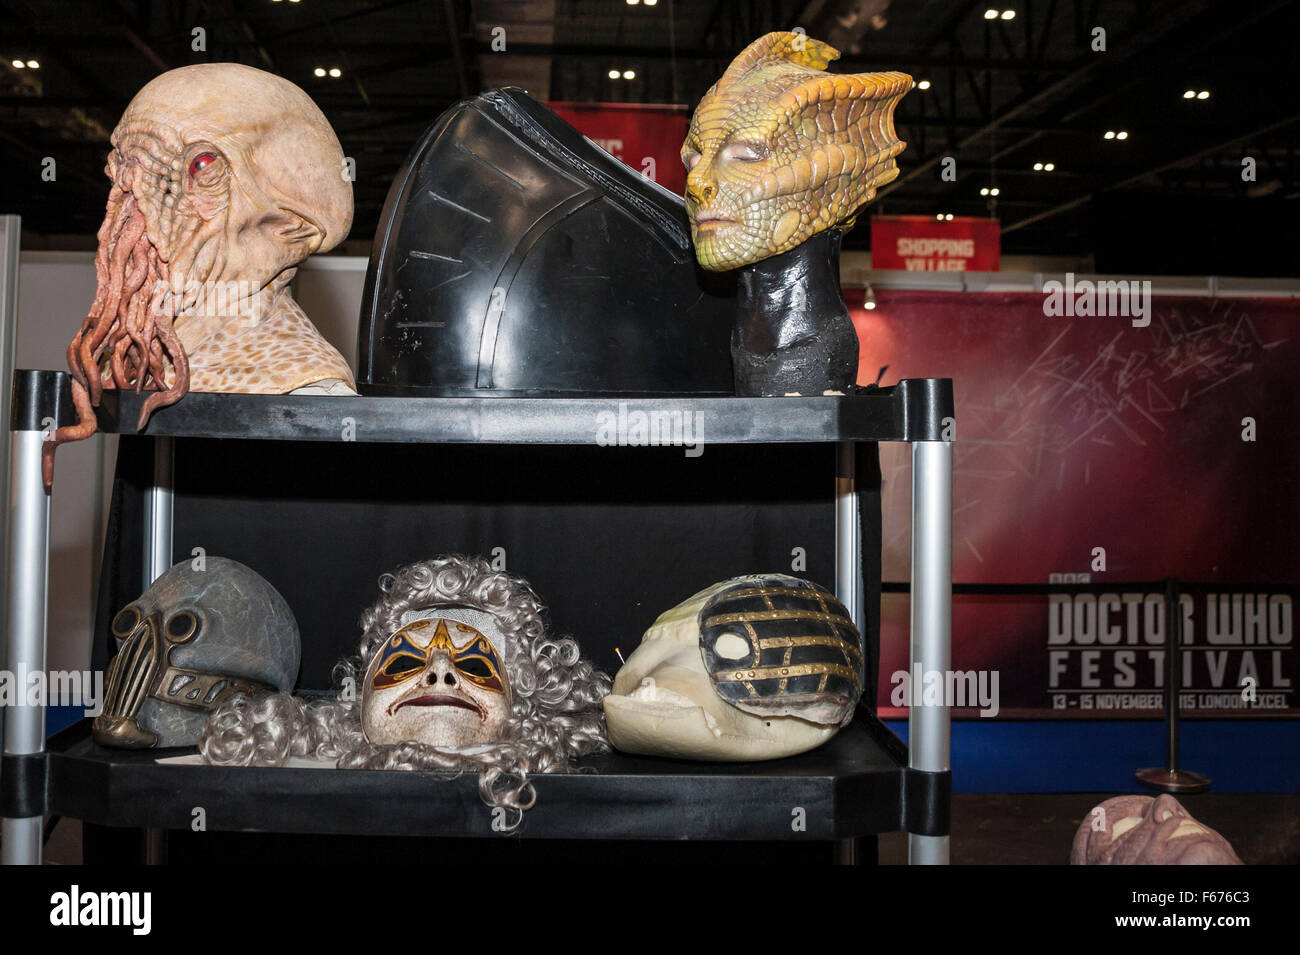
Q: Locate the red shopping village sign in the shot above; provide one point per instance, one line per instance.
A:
(928, 244)
(646, 137)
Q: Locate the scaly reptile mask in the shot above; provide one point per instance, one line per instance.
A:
(779, 150)
(225, 178)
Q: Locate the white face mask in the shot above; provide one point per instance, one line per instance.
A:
(439, 680)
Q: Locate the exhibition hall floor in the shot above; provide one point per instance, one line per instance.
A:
(1037, 828)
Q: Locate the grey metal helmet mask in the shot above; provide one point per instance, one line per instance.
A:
(189, 642)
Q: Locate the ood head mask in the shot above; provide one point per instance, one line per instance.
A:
(779, 150)
(224, 179)
(751, 668)
(190, 642)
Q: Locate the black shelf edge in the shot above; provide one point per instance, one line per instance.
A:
(912, 410)
(851, 786)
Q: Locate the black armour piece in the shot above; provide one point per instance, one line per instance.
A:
(516, 257)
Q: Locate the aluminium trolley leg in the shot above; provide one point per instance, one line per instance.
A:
(848, 571)
(929, 727)
(28, 582)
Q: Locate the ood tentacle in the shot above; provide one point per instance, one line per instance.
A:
(126, 340)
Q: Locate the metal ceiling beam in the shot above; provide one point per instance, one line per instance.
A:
(1091, 66)
(1139, 76)
(457, 56)
(1155, 170)
(878, 59)
(354, 13)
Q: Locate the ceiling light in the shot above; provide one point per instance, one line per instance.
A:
(1189, 94)
(1049, 166)
(1203, 94)
(939, 216)
(629, 74)
(869, 298)
(923, 85)
(633, 3)
(1110, 134)
(990, 14)
(319, 71)
(614, 74)
(948, 216)
(18, 64)
(33, 65)
(984, 191)
(1008, 14)
(334, 71)
(1122, 134)
(1038, 167)
(994, 191)
(651, 3)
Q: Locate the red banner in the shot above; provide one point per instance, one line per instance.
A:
(1100, 448)
(647, 138)
(933, 244)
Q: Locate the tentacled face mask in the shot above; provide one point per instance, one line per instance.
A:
(224, 179)
(779, 150)
(439, 680)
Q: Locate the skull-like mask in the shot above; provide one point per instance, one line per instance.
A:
(187, 644)
(752, 668)
(439, 680)
(779, 150)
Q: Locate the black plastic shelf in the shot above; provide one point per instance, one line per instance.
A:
(858, 784)
(912, 410)
(854, 785)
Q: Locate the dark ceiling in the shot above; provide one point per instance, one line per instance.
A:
(1004, 94)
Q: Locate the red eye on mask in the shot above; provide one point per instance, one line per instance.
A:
(201, 162)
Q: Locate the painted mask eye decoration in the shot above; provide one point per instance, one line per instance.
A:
(192, 641)
(440, 681)
(779, 150)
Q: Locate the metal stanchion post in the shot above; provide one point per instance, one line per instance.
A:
(1172, 778)
(157, 559)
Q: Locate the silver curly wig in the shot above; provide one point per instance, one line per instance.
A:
(556, 713)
